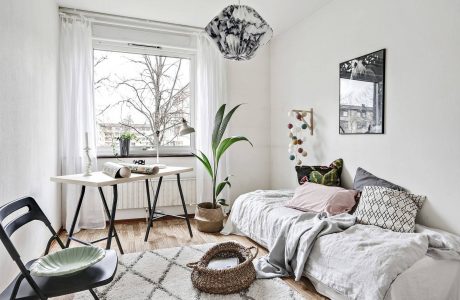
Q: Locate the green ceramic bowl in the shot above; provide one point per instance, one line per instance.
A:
(67, 261)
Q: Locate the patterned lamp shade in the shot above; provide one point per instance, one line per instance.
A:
(239, 31)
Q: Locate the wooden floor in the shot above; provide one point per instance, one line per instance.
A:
(173, 233)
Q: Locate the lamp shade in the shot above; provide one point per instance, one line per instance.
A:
(185, 129)
(239, 31)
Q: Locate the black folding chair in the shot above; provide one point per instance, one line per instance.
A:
(35, 287)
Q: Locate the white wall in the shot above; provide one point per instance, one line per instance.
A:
(28, 117)
(420, 147)
(249, 82)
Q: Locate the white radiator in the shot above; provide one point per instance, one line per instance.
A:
(133, 194)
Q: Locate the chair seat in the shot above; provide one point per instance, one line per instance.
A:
(97, 275)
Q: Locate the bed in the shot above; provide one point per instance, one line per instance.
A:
(261, 214)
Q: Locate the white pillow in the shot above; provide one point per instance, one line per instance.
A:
(388, 208)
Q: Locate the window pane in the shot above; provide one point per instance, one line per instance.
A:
(141, 94)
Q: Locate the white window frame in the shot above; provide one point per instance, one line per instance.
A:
(137, 151)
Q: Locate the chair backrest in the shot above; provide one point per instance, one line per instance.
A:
(6, 230)
(34, 213)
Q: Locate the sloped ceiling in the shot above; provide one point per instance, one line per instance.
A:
(280, 14)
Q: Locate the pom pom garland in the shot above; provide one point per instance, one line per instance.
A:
(297, 136)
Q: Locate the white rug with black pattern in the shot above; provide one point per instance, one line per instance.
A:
(162, 274)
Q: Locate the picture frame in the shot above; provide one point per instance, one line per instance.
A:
(362, 94)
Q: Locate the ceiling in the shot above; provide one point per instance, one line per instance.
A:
(280, 14)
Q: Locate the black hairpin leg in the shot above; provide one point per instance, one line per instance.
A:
(75, 217)
(107, 212)
(183, 206)
(148, 196)
(112, 219)
(152, 211)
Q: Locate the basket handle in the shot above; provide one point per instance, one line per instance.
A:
(192, 265)
(255, 254)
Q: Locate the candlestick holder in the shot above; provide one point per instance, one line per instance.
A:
(88, 162)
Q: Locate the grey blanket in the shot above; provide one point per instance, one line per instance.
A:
(295, 241)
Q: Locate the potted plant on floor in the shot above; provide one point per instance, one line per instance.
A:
(209, 215)
(125, 140)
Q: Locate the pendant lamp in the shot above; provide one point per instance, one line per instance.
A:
(239, 31)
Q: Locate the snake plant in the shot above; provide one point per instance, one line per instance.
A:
(219, 146)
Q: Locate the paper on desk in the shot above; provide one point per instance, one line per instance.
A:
(116, 170)
(142, 169)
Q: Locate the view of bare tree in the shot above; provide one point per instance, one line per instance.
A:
(156, 92)
(101, 80)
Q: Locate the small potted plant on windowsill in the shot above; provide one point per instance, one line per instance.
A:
(209, 215)
(125, 140)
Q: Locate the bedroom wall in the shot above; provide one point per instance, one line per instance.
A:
(28, 117)
(249, 83)
(419, 149)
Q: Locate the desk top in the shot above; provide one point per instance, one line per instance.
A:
(99, 179)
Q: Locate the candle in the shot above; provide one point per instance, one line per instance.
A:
(86, 139)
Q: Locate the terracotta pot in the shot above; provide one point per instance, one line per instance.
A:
(209, 219)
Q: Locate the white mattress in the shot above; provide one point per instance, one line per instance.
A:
(261, 214)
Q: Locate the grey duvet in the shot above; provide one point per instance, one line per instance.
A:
(356, 261)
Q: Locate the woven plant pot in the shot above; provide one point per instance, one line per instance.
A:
(226, 281)
(209, 219)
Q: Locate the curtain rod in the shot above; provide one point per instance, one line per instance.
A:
(95, 17)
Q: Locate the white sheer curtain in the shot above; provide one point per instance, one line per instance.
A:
(76, 116)
(211, 93)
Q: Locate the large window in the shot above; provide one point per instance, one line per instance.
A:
(142, 93)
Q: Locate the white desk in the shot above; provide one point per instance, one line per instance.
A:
(99, 180)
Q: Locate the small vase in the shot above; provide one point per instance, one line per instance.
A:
(209, 219)
(124, 148)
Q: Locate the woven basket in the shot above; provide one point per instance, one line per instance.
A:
(226, 281)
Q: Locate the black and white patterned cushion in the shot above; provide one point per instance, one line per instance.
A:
(389, 209)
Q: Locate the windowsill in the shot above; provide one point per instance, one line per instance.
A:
(146, 155)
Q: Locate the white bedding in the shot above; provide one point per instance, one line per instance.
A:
(261, 214)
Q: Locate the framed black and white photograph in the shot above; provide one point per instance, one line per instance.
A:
(362, 85)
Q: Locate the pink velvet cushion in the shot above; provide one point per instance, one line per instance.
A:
(318, 198)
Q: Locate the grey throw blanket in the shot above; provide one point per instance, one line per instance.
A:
(295, 241)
